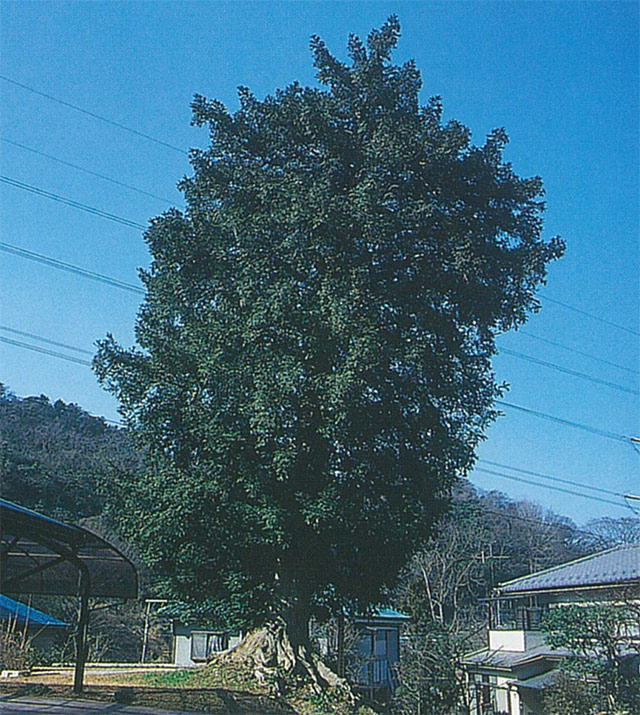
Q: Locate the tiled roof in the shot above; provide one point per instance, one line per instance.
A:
(617, 566)
(510, 658)
(538, 682)
(25, 615)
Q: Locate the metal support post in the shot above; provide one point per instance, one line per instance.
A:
(82, 633)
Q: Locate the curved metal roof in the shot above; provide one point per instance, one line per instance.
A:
(615, 567)
(46, 556)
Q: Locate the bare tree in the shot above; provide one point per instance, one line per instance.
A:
(607, 532)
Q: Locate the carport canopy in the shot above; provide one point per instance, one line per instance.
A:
(45, 556)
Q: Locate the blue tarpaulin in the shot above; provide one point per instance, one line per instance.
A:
(23, 614)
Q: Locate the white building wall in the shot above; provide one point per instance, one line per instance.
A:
(502, 695)
(182, 645)
(182, 651)
(515, 640)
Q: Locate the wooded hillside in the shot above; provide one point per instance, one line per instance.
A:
(56, 458)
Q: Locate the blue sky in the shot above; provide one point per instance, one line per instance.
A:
(561, 77)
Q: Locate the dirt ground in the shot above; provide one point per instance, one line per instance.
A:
(130, 686)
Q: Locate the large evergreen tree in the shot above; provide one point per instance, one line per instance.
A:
(314, 361)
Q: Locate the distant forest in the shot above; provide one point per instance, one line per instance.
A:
(56, 458)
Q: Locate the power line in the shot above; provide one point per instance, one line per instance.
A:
(568, 371)
(550, 486)
(45, 351)
(70, 202)
(568, 423)
(94, 115)
(69, 358)
(7, 329)
(69, 267)
(87, 171)
(182, 151)
(589, 315)
(552, 478)
(578, 352)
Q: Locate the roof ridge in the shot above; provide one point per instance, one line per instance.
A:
(580, 559)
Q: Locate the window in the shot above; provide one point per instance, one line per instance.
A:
(205, 644)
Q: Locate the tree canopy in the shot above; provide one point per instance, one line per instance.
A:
(313, 369)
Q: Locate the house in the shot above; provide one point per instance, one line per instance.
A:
(509, 676)
(365, 648)
(40, 629)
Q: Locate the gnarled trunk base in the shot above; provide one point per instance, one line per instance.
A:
(271, 655)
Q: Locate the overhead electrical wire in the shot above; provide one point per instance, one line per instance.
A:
(70, 358)
(88, 171)
(578, 352)
(552, 478)
(568, 371)
(573, 492)
(45, 351)
(559, 420)
(589, 315)
(182, 151)
(94, 115)
(7, 329)
(593, 430)
(69, 267)
(126, 286)
(124, 127)
(72, 203)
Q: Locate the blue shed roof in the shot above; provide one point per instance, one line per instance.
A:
(391, 613)
(614, 567)
(380, 616)
(23, 614)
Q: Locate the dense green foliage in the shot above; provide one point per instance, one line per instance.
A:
(53, 456)
(604, 640)
(314, 362)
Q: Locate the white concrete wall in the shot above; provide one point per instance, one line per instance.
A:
(515, 640)
(502, 695)
(182, 651)
(506, 640)
(182, 645)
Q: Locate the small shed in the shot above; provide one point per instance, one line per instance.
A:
(379, 648)
(193, 644)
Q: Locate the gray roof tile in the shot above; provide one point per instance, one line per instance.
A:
(620, 565)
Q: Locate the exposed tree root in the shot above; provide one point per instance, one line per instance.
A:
(269, 653)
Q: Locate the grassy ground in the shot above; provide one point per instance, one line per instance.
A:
(210, 690)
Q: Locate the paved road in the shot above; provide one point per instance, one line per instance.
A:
(58, 706)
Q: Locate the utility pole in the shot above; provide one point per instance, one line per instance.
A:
(145, 637)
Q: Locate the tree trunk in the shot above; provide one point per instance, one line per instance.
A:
(282, 648)
(277, 650)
